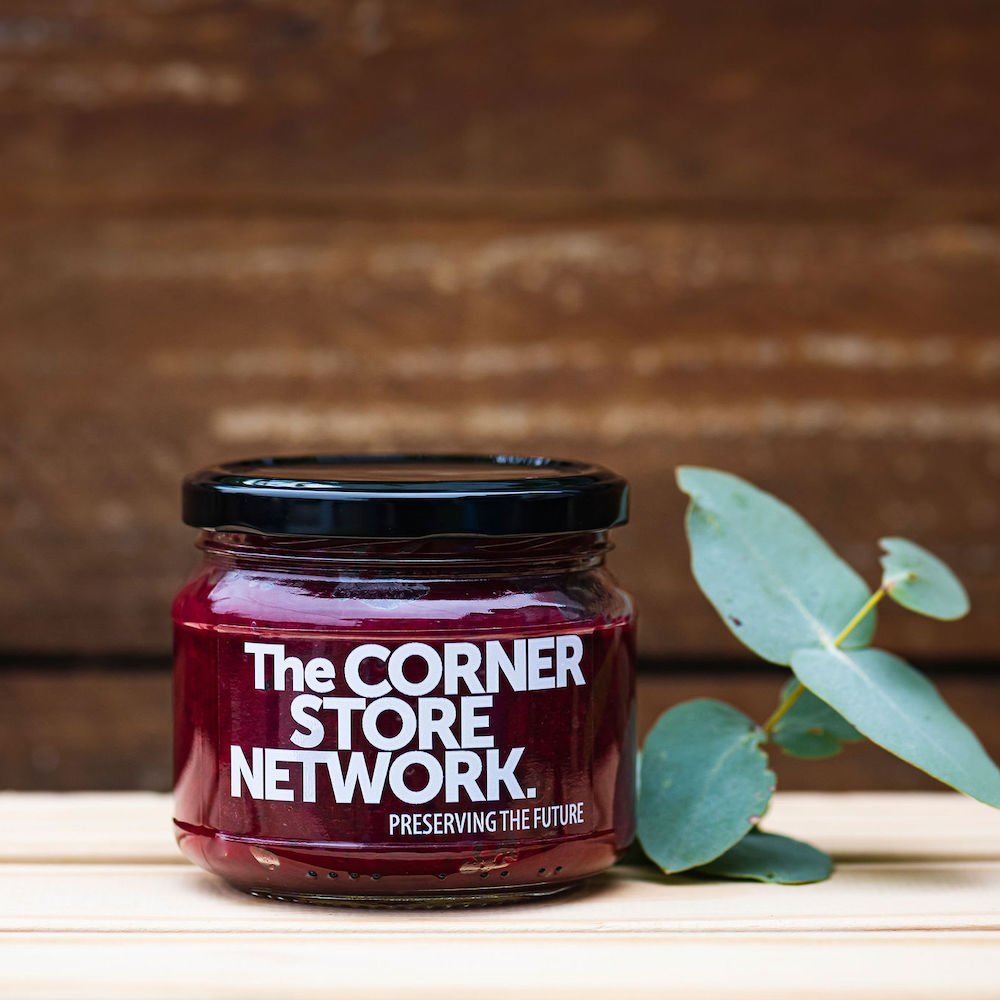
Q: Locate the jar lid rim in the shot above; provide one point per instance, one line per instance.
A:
(405, 495)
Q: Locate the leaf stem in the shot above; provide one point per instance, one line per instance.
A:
(783, 709)
(793, 696)
(859, 617)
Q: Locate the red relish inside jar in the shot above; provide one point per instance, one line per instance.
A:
(404, 679)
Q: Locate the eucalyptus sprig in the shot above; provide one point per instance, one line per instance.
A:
(705, 781)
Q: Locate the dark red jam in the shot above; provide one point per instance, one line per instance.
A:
(414, 718)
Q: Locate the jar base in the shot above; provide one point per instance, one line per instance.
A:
(459, 875)
(430, 901)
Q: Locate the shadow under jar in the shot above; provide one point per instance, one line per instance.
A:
(404, 680)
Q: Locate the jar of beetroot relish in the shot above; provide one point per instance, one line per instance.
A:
(404, 679)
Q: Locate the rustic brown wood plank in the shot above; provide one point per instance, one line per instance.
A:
(364, 105)
(853, 368)
(69, 729)
(64, 729)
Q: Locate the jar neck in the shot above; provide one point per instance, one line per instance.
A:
(452, 556)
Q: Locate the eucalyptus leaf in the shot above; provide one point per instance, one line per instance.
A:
(770, 857)
(920, 581)
(775, 582)
(634, 856)
(705, 783)
(811, 729)
(898, 708)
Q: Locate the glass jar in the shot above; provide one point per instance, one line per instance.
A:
(404, 679)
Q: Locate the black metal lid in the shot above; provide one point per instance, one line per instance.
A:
(405, 496)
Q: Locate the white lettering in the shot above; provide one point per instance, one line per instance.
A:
(431, 660)
(320, 673)
(539, 659)
(311, 732)
(352, 670)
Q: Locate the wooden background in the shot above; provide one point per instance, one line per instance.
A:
(759, 236)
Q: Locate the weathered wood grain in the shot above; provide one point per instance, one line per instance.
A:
(851, 367)
(387, 106)
(756, 236)
(98, 727)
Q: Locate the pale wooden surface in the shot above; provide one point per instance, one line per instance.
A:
(97, 903)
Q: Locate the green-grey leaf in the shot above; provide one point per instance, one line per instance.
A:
(920, 581)
(770, 857)
(898, 708)
(811, 729)
(705, 783)
(634, 856)
(776, 583)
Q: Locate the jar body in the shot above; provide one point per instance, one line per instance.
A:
(440, 721)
